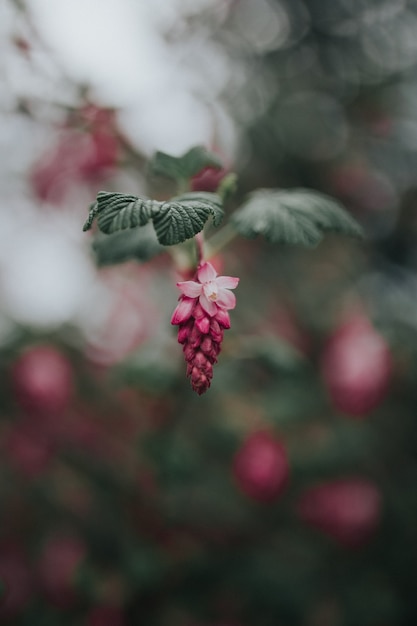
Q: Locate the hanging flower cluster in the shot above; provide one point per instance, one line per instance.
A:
(203, 186)
(202, 316)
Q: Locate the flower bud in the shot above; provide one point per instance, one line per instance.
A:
(207, 345)
(183, 333)
(196, 337)
(223, 318)
(203, 325)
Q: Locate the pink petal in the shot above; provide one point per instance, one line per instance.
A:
(208, 305)
(227, 282)
(190, 288)
(226, 299)
(183, 310)
(223, 318)
(206, 272)
(183, 334)
(198, 311)
(203, 325)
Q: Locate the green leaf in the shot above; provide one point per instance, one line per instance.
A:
(118, 211)
(184, 166)
(92, 212)
(138, 243)
(296, 216)
(184, 216)
(174, 221)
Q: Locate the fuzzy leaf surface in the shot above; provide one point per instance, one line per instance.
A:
(174, 221)
(296, 216)
(118, 211)
(184, 216)
(184, 166)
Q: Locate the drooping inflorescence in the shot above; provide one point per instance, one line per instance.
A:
(202, 316)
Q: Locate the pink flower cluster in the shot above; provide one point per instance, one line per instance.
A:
(202, 316)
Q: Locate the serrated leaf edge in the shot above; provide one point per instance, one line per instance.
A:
(316, 227)
(169, 231)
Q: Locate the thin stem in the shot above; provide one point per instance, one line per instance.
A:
(199, 245)
(220, 240)
(182, 257)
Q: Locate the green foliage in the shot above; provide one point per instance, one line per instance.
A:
(184, 216)
(117, 211)
(185, 166)
(174, 221)
(140, 244)
(298, 216)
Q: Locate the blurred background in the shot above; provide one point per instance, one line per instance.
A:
(285, 496)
